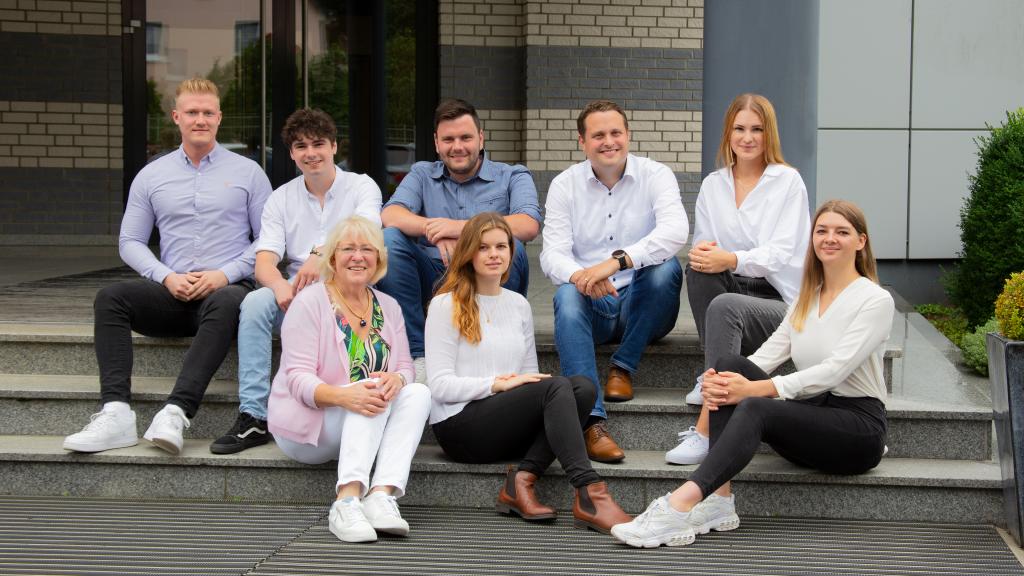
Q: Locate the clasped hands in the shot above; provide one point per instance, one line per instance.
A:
(443, 233)
(726, 388)
(371, 397)
(194, 285)
(594, 281)
(710, 258)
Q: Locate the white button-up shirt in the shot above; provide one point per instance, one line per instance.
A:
(768, 233)
(585, 221)
(294, 223)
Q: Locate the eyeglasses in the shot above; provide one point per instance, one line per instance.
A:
(362, 250)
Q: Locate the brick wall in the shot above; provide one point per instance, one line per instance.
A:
(61, 134)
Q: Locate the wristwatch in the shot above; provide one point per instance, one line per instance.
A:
(620, 255)
(313, 251)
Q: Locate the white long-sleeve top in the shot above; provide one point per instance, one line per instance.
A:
(584, 221)
(459, 372)
(768, 233)
(839, 352)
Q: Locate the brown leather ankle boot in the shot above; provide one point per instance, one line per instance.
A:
(595, 509)
(517, 496)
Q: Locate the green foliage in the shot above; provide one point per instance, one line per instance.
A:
(948, 320)
(991, 222)
(1010, 307)
(973, 349)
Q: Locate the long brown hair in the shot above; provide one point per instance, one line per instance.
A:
(461, 277)
(814, 272)
(766, 112)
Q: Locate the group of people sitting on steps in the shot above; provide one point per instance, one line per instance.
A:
(426, 320)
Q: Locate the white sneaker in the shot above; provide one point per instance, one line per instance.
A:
(419, 366)
(168, 428)
(348, 523)
(659, 524)
(716, 513)
(692, 449)
(381, 511)
(693, 397)
(112, 427)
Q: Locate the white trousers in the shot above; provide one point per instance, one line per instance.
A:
(356, 441)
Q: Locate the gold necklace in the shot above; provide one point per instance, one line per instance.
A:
(486, 313)
(362, 317)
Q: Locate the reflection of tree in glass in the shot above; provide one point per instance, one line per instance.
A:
(401, 68)
(239, 82)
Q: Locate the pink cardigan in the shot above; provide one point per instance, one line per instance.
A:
(314, 352)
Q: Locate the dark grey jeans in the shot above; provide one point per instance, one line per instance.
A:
(734, 314)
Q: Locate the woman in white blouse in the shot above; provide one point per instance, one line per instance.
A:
(489, 403)
(829, 414)
(749, 241)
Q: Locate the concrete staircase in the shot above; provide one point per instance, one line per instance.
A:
(939, 466)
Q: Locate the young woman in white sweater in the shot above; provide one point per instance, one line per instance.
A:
(828, 415)
(489, 401)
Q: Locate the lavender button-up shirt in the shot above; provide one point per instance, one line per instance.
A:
(208, 217)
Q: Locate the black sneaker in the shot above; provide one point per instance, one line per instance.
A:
(246, 433)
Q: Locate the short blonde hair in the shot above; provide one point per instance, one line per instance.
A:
(196, 85)
(354, 227)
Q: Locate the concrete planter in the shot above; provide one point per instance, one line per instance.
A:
(1006, 374)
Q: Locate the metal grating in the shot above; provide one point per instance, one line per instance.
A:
(76, 536)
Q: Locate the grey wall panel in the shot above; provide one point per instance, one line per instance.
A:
(864, 67)
(940, 162)
(770, 48)
(869, 167)
(968, 62)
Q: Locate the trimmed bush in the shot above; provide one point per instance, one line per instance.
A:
(972, 347)
(991, 222)
(1010, 308)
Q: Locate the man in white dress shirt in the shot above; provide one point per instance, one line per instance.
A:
(614, 224)
(297, 218)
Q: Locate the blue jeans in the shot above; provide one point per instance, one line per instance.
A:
(412, 275)
(645, 311)
(259, 318)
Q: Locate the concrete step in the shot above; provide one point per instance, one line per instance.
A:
(898, 489)
(36, 404)
(673, 362)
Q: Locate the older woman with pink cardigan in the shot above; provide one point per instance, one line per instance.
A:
(344, 390)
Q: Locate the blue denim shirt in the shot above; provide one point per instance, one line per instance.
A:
(428, 191)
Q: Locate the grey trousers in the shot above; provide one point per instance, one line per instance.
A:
(734, 314)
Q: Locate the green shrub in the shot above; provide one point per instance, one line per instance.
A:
(1010, 307)
(991, 222)
(973, 349)
(948, 320)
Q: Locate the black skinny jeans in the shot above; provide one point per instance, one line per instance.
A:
(149, 309)
(536, 422)
(834, 434)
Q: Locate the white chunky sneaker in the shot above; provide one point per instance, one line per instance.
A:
(167, 429)
(693, 397)
(112, 427)
(693, 447)
(716, 513)
(419, 367)
(381, 511)
(659, 524)
(348, 523)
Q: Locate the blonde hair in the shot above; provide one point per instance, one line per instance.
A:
(766, 112)
(814, 272)
(461, 277)
(196, 85)
(349, 228)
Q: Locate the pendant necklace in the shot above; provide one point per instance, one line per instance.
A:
(362, 317)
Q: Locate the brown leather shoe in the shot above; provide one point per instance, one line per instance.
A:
(594, 508)
(517, 497)
(600, 446)
(619, 386)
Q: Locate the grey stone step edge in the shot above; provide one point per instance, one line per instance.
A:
(898, 489)
(44, 405)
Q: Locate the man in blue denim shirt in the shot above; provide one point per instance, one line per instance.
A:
(426, 214)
